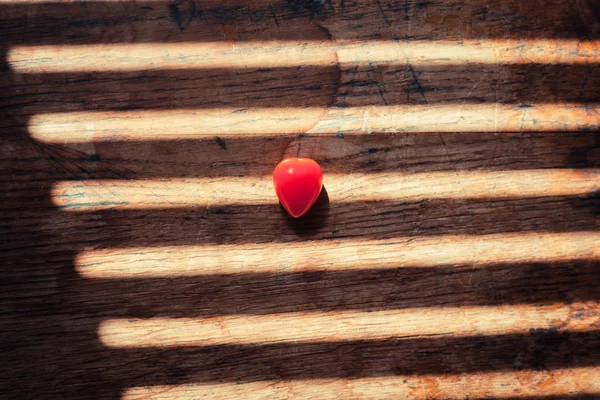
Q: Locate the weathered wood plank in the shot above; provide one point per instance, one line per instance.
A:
(293, 53)
(559, 384)
(349, 86)
(396, 186)
(338, 254)
(156, 21)
(368, 289)
(318, 327)
(477, 223)
(538, 350)
(233, 122)
(407, 152)
(268, 224)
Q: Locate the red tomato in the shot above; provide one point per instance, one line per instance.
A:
(298, 182)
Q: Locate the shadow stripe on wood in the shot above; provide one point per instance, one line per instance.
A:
(381, 219)
(348, 85)
(218, 157)
(537, 350)
(340, 19)
(327, 291)
(159, 21)
(283, 292)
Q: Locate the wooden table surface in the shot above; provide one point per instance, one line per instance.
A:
(454, 252)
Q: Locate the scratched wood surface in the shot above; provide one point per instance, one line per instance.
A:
(453, 253)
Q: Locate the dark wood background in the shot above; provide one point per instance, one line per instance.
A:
(101, 222)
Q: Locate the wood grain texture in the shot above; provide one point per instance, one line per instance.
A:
(497, 386)
(454, 252)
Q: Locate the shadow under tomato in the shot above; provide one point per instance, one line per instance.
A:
(315, 219)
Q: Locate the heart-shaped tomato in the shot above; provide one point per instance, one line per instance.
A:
(298, 182)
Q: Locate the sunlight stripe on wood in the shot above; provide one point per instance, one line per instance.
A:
(132, 57)
(339, 255)
(498, 385)
(310, 327)
(86, 195)
(230, 122)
